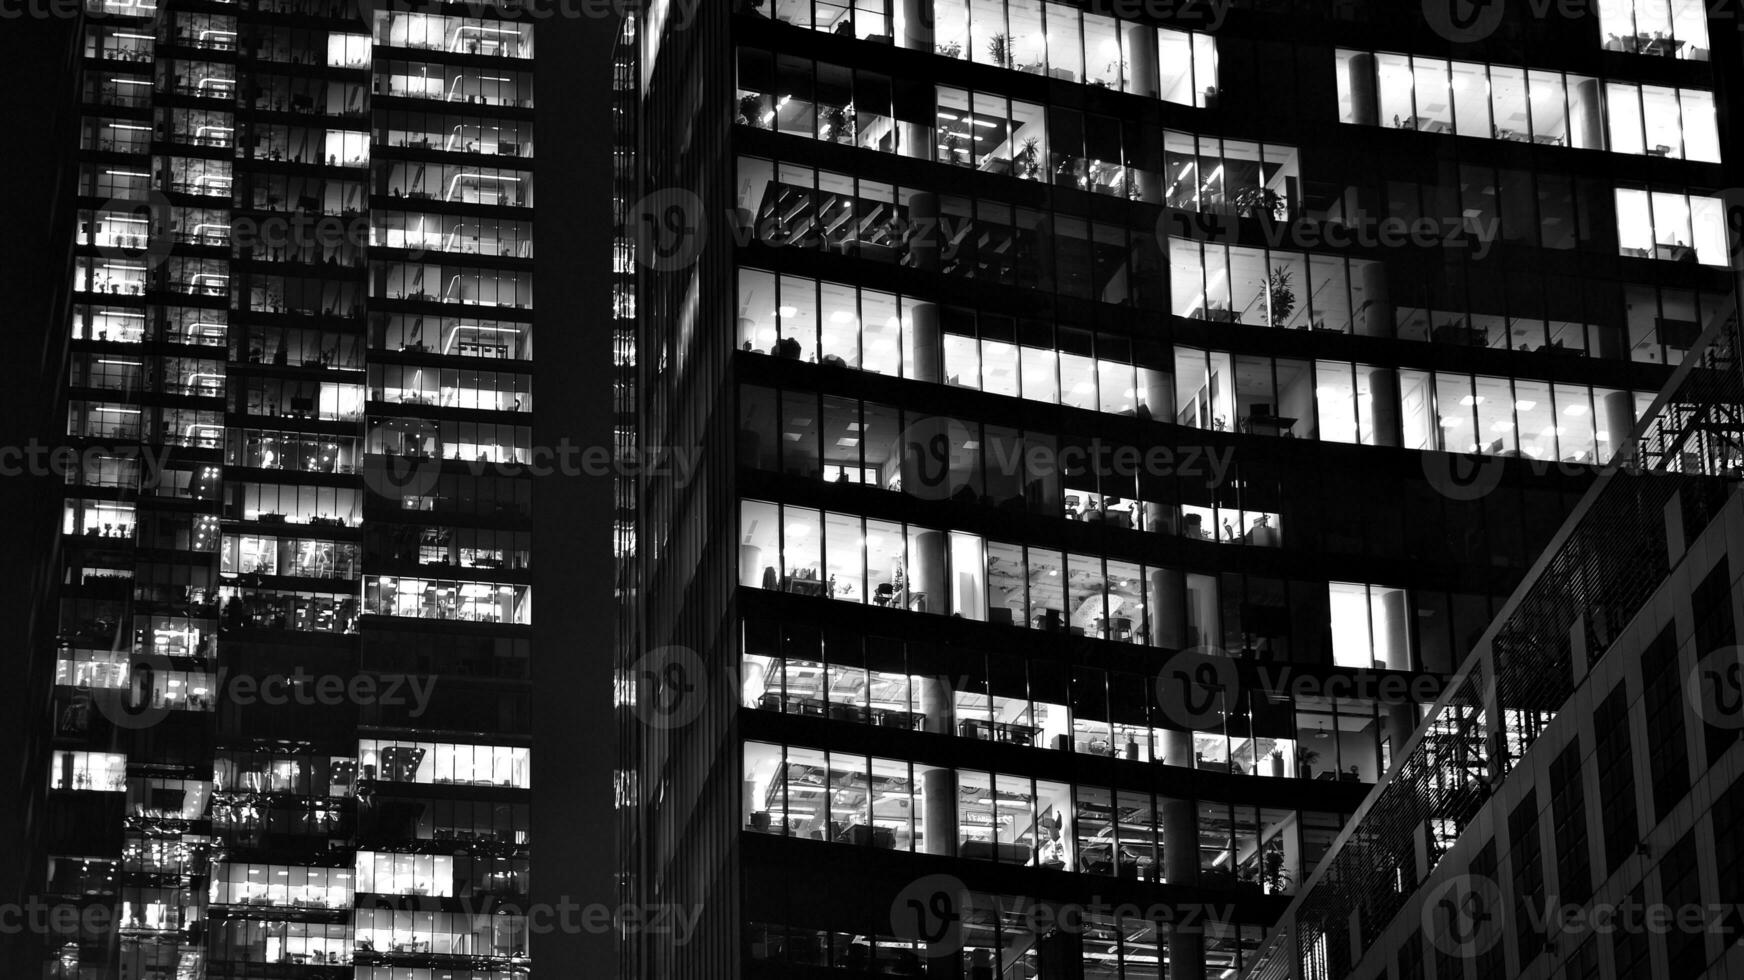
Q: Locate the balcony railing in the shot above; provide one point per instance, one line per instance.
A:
(1598, 573)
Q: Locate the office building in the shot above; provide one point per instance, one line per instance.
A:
(291, 682)
(1045, 359)
(1571, 806)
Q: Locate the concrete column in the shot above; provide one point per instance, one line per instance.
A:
(1610, 343)
(1177, 748)
(1060, 954)
(1180, 842)
(927, 572)
(1187, 954)
(940, 789)
(914, 29)
(1168, 608)
(1375, 319)
(1384, 407)
(1585, 119)
(750, 566)
(753, 683)
(1395, 630)
(925, 238)
(1159, 519)
(1617, 413)
(1150, 187)
(1141, 60)
(1401, 722)
(1365, 95)
(1156, 397)
(923, 344)
(933, 700)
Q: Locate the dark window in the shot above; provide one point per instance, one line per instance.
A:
(1629, 946)
(1711, 611)
(1680, 882)
(1729, 858)
(1614, 755)
(1492, 958)
(1410, 966)
(1568, 813)
(1526, 857)
(1667, 752)
(1584, 964)
(1711, 606)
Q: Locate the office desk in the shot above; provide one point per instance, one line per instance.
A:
(1267, 425)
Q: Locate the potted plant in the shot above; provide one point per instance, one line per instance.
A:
(836, 126)
(952, 50)
(999, 49)
(1272, 873)
(1280, 297)
(751, 110)
(1277, 762)
(1248, 880)
(1113, 72)
(1305, 759)
(1258, 202)
(953, 144)
(1027, 159)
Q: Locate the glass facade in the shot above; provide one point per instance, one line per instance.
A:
(1081, 397)
(296, 609)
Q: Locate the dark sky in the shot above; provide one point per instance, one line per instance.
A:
(36, 100)
(573, 832)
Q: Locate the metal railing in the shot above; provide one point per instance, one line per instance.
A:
(1601, 568)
